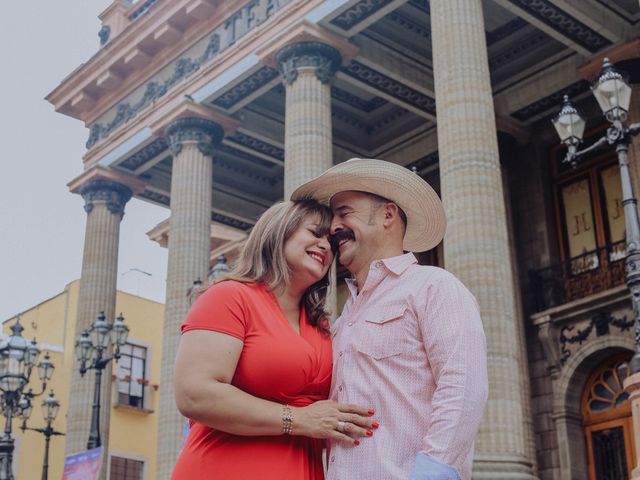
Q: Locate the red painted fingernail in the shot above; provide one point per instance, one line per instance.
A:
(369, 433)
(375, 425)
(371, 412)
(356, 442)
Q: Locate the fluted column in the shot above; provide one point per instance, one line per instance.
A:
(476, 245)
(104, 204)
(307, 69)
(191, 141)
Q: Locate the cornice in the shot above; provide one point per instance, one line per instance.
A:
(80, 96)
(99, 173)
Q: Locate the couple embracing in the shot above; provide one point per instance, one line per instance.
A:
(394, 389)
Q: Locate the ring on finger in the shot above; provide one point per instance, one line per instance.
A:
(341, 426)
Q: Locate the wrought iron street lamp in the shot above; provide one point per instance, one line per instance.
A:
(92, 350)
(50, 407)
(613, 93)
(220, 268)
(18, 357)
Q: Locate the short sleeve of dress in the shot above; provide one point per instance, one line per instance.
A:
(221, 308)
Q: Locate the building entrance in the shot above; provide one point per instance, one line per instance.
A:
(607, 423)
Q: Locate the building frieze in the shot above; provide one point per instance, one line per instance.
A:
(225, 35)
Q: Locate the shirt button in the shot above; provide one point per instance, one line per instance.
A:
(333, 458)
(340, 354)
(350, 324)
(377, 264)
(340, 388)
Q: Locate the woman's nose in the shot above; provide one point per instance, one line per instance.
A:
(323, 243)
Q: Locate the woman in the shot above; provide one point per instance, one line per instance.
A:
(253, 368)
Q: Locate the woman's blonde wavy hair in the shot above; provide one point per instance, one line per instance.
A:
(262, 258)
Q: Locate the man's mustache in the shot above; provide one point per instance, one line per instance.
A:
(336, 238)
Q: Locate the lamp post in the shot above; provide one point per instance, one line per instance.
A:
(18, 356)
(220, 268)
(92, 350)
(50, 407)
(613, 94)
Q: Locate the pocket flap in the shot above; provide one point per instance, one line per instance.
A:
(394, 313)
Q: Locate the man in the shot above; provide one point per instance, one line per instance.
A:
(410, 340)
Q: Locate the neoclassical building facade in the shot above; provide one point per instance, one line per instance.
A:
(216, 110)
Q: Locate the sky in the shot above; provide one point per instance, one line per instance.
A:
(41, 223)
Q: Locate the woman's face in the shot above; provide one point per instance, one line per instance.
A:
(308, 252)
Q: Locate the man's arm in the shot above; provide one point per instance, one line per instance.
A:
(455, 344)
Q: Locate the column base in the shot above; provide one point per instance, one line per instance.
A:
(503, 468)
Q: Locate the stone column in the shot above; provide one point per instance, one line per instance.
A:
(104, 204)
(307, 69)
(476, 245)
(191, 141)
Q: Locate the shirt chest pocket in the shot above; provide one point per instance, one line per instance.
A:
(383, 336)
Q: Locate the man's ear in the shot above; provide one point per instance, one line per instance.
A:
(391, 213)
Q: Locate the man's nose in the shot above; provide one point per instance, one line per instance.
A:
(335, 226)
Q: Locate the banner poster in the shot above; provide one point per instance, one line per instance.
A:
(82, 465)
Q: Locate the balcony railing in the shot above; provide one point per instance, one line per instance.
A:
(581, 276)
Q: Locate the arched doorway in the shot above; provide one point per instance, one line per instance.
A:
(607, 422)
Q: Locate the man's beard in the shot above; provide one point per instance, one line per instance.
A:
(339, 236)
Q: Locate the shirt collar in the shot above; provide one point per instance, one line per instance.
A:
(396, 265)
(400, 263)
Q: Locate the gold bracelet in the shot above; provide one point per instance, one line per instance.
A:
(287, 420)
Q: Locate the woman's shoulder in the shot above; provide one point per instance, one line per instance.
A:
(232, 289)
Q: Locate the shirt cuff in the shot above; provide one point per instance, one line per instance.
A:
(427, 468)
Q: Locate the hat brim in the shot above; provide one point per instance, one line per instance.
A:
(426, 222)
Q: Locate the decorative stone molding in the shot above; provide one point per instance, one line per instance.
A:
(104, 33)
(359, 12)
(565, 330)
(206, 133)
(562, 22)
(246, 87)
(323, 58)
(391, 87)
(153, 90)
(113, 194)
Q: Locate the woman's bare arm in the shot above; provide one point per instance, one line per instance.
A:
(205, 365)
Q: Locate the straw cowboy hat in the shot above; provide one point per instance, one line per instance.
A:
(426, 221)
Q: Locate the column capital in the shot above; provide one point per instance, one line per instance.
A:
(103, 184)
(205, 133)
(324, 59)
(307, 45)
(190, 121)
(115, 195)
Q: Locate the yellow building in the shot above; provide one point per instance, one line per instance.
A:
(135, 383)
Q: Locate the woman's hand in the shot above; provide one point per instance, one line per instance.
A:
(337, 421)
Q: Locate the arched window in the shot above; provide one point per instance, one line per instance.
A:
(607, 422)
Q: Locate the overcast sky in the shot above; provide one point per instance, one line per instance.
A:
(42, 223)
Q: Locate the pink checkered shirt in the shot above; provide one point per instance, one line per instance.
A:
(411, 345)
